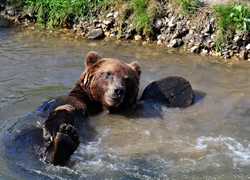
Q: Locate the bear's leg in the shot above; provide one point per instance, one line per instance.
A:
(63, 145)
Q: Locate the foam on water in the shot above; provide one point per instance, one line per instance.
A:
(239, 152)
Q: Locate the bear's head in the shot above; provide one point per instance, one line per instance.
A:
(113, 83)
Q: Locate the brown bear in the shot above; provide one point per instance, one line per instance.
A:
(106, 84)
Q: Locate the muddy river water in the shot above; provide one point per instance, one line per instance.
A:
(209, 140)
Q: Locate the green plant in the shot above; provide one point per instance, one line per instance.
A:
(233, 16)
(188, 6)
(219, 39)
(53, 13)
(241, 17)
(223, 12)
(141, 14)
(230, 18)
(143, 17)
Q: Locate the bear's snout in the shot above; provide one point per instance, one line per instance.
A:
(119, 91)
(114, 97)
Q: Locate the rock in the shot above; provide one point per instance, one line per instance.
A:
(179, 26)
(158, 24)
(212, 20)
(159, 42)
(138, 38)
(248, 46)
(160, 37)
(234, 47)
(189, 37)
(95, 33)
(207, 29)
(243, 55)
(106, 21)
(144, 43)
(248, 56)
(206, 35)
(11, 13)
(109, 15)
(107, 34)
(116, 14)
(112, 35)
(95, 21)
(231, 53)
(171, 23)
(194, 49)
(175, 42)
(212, 45)
(175, 35)
(180, 17)
(226, 56)
(236, 39)
(204, 52)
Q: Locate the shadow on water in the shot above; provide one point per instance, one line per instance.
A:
(153, 108)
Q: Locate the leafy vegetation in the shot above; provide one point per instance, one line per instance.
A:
(235, 16)
(231, 17)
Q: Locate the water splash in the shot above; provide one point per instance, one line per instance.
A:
(238, 151)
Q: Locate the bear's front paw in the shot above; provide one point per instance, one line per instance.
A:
(63, 145)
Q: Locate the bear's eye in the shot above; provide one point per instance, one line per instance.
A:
(127, 79)
(108, 74)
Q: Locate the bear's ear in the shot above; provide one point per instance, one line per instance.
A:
(91, 58)
(137, 67)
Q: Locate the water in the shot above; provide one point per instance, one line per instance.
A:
(209, 140)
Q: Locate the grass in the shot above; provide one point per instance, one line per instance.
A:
(141, 14)
(53, 13)
(230, 18)
(188, 6)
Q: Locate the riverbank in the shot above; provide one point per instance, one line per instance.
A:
(192, 27)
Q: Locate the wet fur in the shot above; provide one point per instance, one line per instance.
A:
(106, 84)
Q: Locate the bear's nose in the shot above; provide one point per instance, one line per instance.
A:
(119, 91)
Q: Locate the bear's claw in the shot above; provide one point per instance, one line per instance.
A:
(64, 144)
